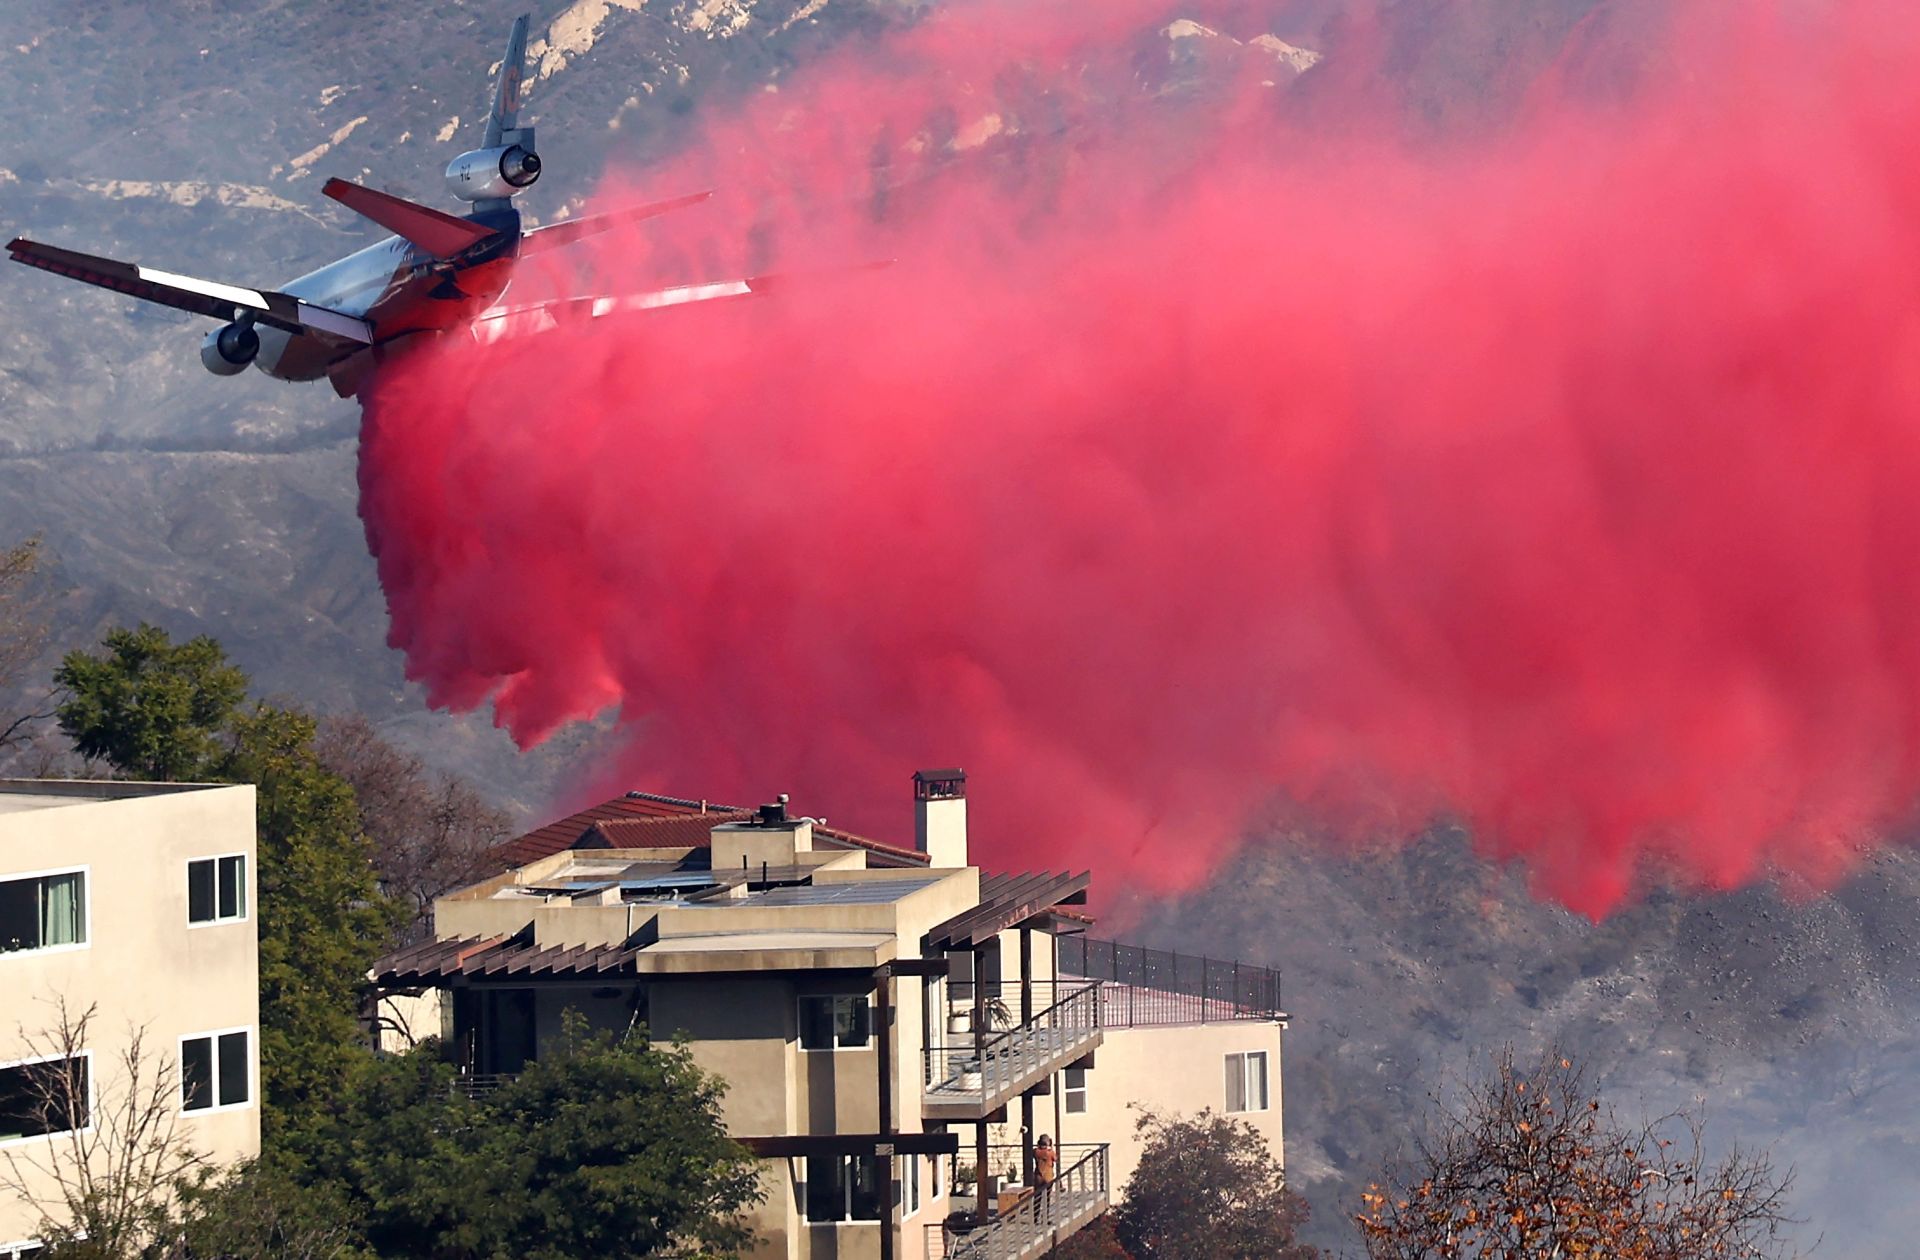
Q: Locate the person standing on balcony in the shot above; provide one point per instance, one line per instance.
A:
(1044, 1160)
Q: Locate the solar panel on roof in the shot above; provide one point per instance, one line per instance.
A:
(866, 893)
(668, 882)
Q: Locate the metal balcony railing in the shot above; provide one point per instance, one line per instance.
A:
(1032, 1222)
(1003, 1003)
(965, 1082)
(478, 1085)
(1156, 986)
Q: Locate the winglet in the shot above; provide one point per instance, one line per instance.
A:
(506, 89)
(439, 233)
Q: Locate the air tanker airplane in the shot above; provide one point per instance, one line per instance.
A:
(438, 273)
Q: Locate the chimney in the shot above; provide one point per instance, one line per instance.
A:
(770, 839)
(940, 817)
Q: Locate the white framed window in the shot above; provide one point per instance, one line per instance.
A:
(1247, 1081)
(845, 1188)
(45, 910)
(933, 1177)
(1073, 1091)
(217, 889)
(835, 1021)
(909, 1185)
(216, 1070)
(27, 1250)
(45, 1097)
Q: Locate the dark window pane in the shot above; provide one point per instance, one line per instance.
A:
(200, 892)
(18, 1111)
(38, 1098)
(19, 915)
(233, 887)
(816, 1023)
(233, 1068)
(869, 1182)
(853, 1020)
(826, 1189)
(196, 1073)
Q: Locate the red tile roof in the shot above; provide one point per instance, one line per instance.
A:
(686, 831)
(642, 820)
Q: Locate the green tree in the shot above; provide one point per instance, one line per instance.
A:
(323, 921)
(1208, 1186)
(154, 709)
(604, 1147)
(260, 1211)
(150, 707)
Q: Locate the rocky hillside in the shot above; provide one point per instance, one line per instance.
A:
(1788, 1020)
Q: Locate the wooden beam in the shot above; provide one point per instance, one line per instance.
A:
(877, 1144)
(925, 967)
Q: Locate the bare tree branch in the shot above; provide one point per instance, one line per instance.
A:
(114, 1154)
(430, 832)
(25, 624)
(1532, 1164)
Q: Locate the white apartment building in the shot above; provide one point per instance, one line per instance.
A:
(897, 1028)
(129, 904)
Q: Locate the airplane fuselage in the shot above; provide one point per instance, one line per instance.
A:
(400, 290)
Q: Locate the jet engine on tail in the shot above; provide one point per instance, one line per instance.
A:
(484, 174)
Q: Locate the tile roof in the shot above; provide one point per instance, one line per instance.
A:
(646, 820)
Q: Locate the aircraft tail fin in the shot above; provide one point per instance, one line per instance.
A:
(506, 89)
(435, 231)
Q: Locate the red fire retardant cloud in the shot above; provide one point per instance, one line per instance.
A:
(1188, 460)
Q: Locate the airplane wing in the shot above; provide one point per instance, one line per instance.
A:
(527, 319)
(568, 231)
(185, 293)
(501, 322)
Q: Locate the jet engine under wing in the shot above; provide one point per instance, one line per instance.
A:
(202, 297)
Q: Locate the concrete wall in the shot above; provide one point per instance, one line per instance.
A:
(1177, 1070)
(142, 967)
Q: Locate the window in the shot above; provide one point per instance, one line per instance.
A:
(46, 911)
(215, 1071)
(1074, 1090)
(45, 1096)
(844, 1188)
(841, 1021)
(933, 1176)
(910, 1185)
(21, 1250)
(1247, 1081)
(217, 889)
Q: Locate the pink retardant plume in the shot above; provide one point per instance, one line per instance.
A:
(1194, 458)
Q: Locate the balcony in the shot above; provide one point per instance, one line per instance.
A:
(1145, 988)
(1032, 1224)
(970, 1082)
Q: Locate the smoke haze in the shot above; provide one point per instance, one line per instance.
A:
(1194, 457)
